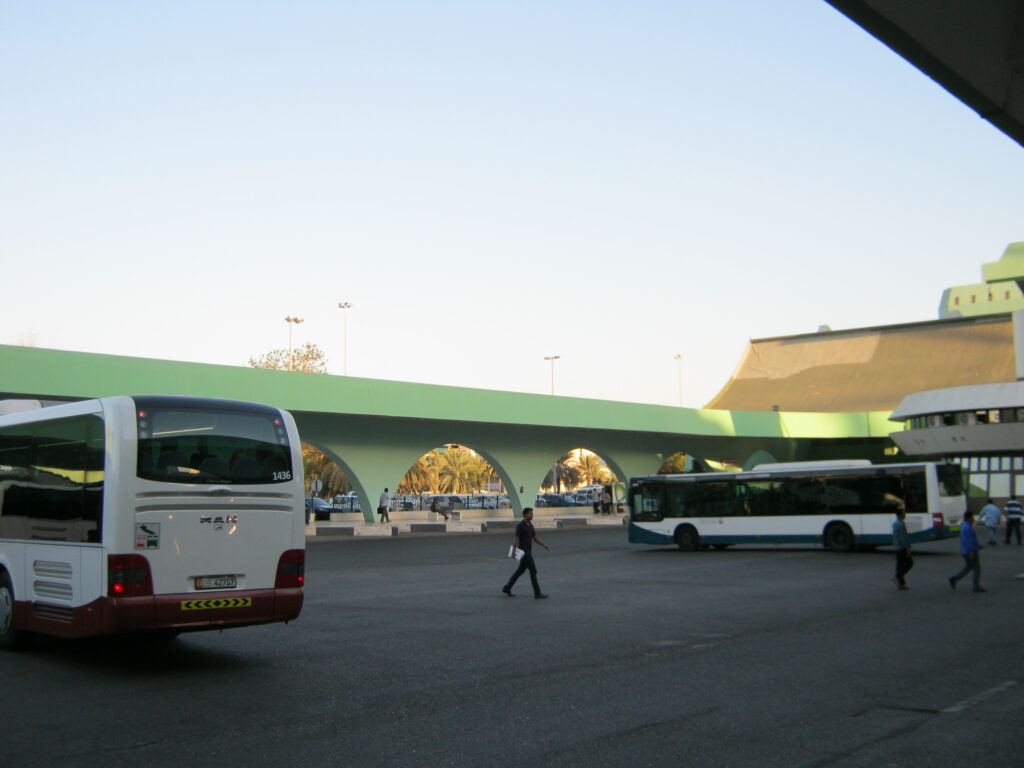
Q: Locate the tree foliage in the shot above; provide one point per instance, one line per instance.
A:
(451, 469)
(308, 358)
(577, 468)
(674, 465)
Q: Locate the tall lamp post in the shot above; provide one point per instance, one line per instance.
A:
(292, 321)
(679, 359)
(552, 358)
(343, 305)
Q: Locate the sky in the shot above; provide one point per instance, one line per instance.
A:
(488, 183)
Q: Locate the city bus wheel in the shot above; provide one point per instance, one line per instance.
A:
(839, 538)
(10, 636)
(687, 538)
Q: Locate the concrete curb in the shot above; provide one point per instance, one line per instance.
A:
(325, 529)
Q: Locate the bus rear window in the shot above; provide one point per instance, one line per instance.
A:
(208, 445)
(951, 480)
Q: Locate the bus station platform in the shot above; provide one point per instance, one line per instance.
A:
(544, 518)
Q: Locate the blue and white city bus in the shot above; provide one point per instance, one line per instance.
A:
(154, 513)
(840, 504)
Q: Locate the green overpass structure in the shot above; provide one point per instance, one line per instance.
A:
(376, 430)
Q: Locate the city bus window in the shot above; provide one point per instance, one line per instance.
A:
(756, 498)
(55, 486)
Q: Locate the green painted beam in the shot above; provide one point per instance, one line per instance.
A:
(47, 373)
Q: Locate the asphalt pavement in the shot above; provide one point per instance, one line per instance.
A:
(406, 653)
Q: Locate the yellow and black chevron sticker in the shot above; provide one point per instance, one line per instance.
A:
(217, 602)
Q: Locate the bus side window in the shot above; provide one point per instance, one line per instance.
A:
(757, 499)
(681, 501)
(804, 496)
(916, 492)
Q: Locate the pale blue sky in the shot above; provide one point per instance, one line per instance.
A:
(487, 183)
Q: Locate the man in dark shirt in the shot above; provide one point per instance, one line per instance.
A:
(901, 546)
(1014, 512)
(970, 549)
(525, 536)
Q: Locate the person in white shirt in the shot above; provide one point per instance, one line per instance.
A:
(990, 516)
(382, 507)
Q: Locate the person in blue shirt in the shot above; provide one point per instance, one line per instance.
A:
(970, 549)
(901, 546)
(1014, 512)
(525, 536)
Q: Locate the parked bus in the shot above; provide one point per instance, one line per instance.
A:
(840, 504)
(166, 514)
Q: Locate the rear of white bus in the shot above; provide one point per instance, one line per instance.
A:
(947, 502)
(205, 529)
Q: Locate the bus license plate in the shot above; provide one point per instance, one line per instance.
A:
(216, 582)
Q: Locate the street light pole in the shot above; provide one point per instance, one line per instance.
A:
(679, 358)
(343, 305)
(291, 323)
(552, 358)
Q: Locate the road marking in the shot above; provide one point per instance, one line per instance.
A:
(961, 706)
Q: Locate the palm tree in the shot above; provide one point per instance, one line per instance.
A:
(591, 467)
(422, 476)
(562, 475)
(455, 470)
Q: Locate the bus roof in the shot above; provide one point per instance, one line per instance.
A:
(763, 471)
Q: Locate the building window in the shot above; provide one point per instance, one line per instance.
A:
(999, 485)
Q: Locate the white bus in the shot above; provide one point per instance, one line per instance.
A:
(840, 504)
(155, 513)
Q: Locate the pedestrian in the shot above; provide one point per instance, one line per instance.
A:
(606, 502)
(990, 516)
(525, 536)
(382, 507)
(901, 545)
(595, 497)
(435, 507)
(1013, 512)
(970, 549)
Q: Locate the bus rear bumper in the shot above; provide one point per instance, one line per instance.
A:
(197, 611)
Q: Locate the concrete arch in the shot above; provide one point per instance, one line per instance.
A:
(759, 456)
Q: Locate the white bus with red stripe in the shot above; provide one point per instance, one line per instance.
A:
(149, 513)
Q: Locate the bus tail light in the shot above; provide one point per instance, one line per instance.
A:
(938, 520)
(128, 576)
(291, 569)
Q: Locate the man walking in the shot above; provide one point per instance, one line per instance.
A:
(1013, 515)
(990, 516)
(901, 545)
(525, 536)
(970, 549)
(382, 507)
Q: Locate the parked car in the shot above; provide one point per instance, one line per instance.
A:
(318, 509)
